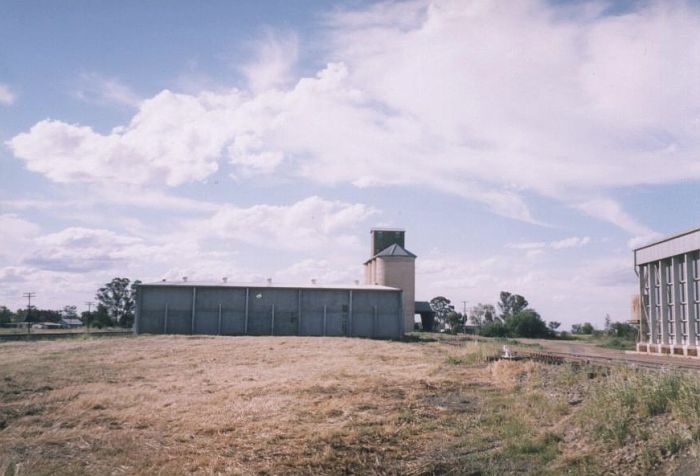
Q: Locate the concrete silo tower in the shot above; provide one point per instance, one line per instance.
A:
(392, 265)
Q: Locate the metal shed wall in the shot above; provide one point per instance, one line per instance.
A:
(228, 310)
(671, 246)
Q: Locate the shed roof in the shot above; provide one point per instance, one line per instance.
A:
(72, 322)
(215, 284)
(423, 307)
(685, 242)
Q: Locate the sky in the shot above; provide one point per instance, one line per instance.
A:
(524, 146)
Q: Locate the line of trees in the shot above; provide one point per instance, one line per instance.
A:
(511, 317)
(115, 307)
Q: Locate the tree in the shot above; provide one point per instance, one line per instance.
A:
(98, 318)
(482, 314)
(494, 329)
(511, 304)
(117, 301)
(554, 325)
(38, 315)
(441, 306)
(527, 323)
(623, 330)
(70, 312)
(6, 315)
(582, 329)
(456, 321)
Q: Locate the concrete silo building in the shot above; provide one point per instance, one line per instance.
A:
(382, 308)
(669, 294)
(394, 266)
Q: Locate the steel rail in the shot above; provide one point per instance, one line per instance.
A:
(622, 361)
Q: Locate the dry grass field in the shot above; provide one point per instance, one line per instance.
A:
(275, 405)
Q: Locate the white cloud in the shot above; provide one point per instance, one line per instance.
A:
(572, 242)
(609, 210)
(79, 249)
(538, 246)
(7, 97)
(306, 224)
(275, 56)
(486, 101)
(173, 139)
(574, 291)
(16, 235)
(94, 87)
(323, 271)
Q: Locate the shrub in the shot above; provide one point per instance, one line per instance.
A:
(494, 329)
(527, 323)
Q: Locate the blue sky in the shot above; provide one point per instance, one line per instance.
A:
(524, 147)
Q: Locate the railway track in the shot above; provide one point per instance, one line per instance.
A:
(62, 335)
(626, 360)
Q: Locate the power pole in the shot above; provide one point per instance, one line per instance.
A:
(89, 316)
(29, 296)
(465, 307)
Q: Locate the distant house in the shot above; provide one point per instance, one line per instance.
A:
(67, 323)
(46, 325)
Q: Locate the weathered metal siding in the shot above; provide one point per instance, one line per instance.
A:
(672, 246)
(269, 311)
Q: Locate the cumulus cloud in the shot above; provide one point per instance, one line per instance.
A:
(306, 224)
(80, 249)
(323, 271)
(7, 97)
(488, 101)
(173, 139)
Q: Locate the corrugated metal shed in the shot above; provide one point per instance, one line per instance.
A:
(267, 309)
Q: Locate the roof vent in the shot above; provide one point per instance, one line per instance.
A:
(225, 279)
(357, 282)
(269, 281)
(184, 279)
(313, 281)
(163, 280)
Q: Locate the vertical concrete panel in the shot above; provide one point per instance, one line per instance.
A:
(179, 302)
(152, 311)
(313, 302)
(363, 313)
(653, 315)
(260, 305)
(260, 311)
(690, 299)
(220, 304)
(664, 303)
